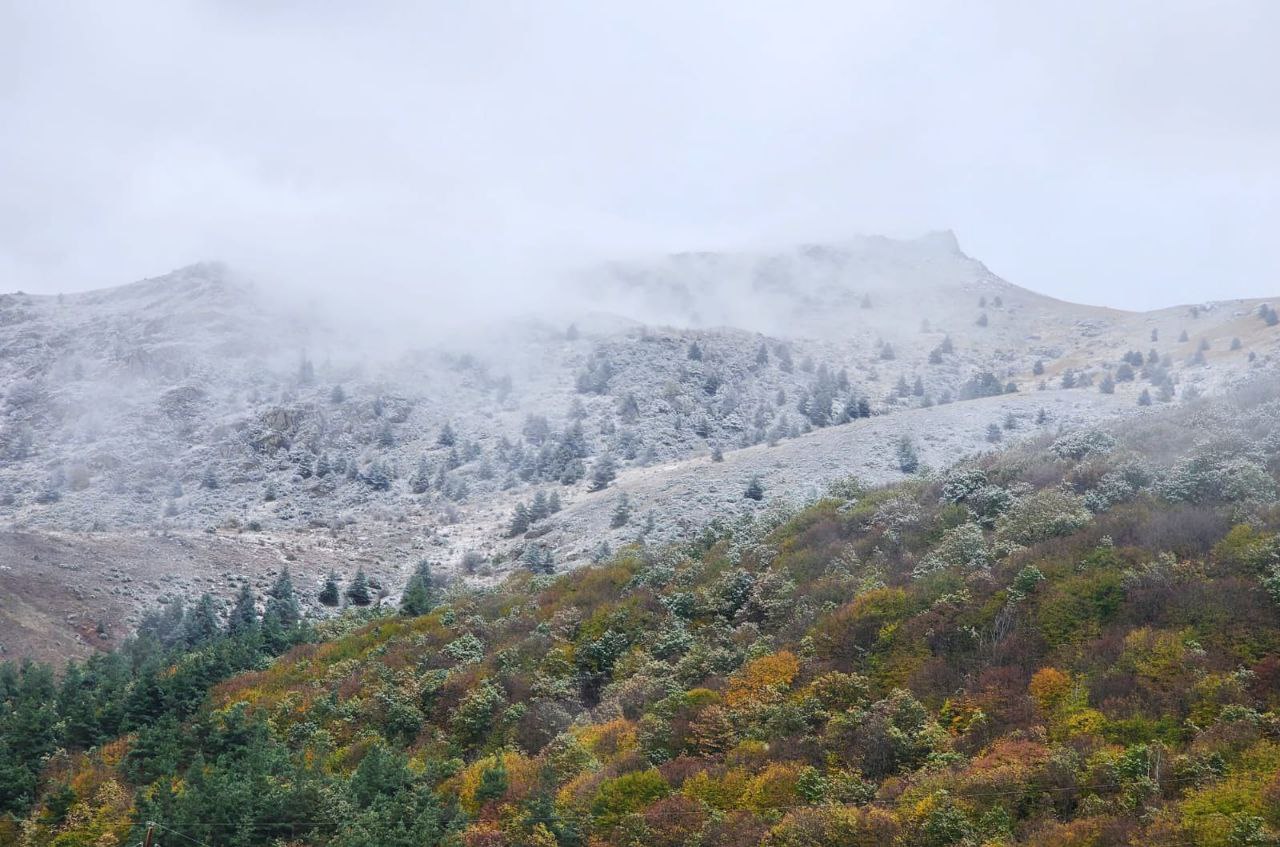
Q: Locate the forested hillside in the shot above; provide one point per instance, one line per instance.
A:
(1075, 641)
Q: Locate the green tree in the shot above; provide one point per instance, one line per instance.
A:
(244, 613)
(282, 602)
(330, 593)
(358, 591)
(420, 593)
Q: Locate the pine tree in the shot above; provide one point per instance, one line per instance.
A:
(282, 603)
(621, 512)
(493, 781)
(695, 352)
(210, 479)
(420, 482)
(603, 473)
(337, 396)
(420, 593)
(1144, 399)
(553, 503)
(519, 521)
(754, 489)
(1038, 367)
(201, 623)
(244, 614)
(538, 507)
(908, 459)
(538, 559)
(306, 372)
(994, 434)
(982, 319)
(447, 437)
(358, 590)
(1041, 416)
(330, 594)
(1108, 385)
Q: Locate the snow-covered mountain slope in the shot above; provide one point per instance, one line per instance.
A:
(194, 406)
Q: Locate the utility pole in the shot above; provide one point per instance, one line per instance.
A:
(147, 840)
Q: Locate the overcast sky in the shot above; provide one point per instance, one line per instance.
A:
(1124, 153)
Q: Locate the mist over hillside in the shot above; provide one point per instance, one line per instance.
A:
(206, 407)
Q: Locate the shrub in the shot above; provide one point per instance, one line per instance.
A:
(1040, 516)
(1083, 442)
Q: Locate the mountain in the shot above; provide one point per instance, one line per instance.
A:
(1071, 641)
(196, 424)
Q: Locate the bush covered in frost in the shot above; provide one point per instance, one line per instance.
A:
(961, 546)
(1084, 442)
(1041, 515)
(1215, 476)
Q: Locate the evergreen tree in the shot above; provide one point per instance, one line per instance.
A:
(330, 594)
(1144, 399)
(519, 521)
(538, 508)
(1038, 367)
(244, 613)
(358, 591)
(982, 319)
(282, 602)
(908, 459)
(994, 434)
(337, 396)
(538, 559)
(493, 781)
(420, 593)
(695, 352)
(420, 482)
(754, 489)
(377, 476)
(621, 512)
(553, 502)
(1108, 385)
(306, 372)
(201, 625)
(447, 437)
(210, 479)
(603, 473)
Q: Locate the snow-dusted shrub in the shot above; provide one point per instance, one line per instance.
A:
(990, 502)
(1216, 476)
(1118, 486)
(1083, 442)
(1041, 515)
(962, 546)
(962, 482)
(465, 649)
(897, 512)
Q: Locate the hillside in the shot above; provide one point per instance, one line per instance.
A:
(196, 410)
(1071, 641)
